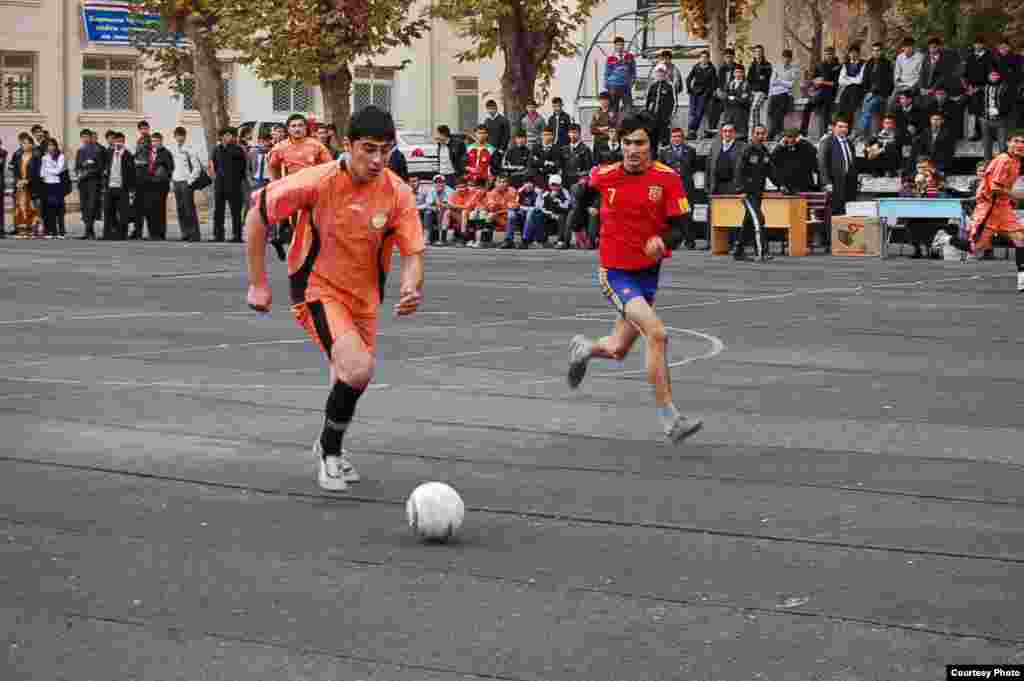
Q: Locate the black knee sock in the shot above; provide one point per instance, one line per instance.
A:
(1020, 258)
(340, 406)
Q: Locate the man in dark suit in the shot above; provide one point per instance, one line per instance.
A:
(119, 183)
(682, 158)
(977, 67)
(795, 162)
(153, 187)
(937, 143)
(577, 158)
(939, 70)
(451, 155)
(837, 166)
(723, 162)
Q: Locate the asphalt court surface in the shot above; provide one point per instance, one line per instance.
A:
(851, 510)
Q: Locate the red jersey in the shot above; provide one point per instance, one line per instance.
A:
(635, 208)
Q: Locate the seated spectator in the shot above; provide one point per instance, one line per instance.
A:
(546, 158)
(549, 215)
(577, 159)
(498, 201)
(926, 183)
(936, 143)
(887, 153)
(952, 111)
(435, 213)
(459, 205)
(909, 116)
(515, 163)
(519, 214)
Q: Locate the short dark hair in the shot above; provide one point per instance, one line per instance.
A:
(481, 126)
(263, 136)
(490, 103)
(278, 126)
(110, 133)
(791, 132)
(520, 133)
(934, 40)
(86, 132)
(296, 117)
(330, 126)
(604, 95)
(619, 39)
(180, 131)
(637, 121)
(890, 116)
(729, 50)
(1018, 132)
(575, 126)
(878, 45)
(36, 128)
(675, 130)
(840, 118)
(557, 100)
(444, 130)
(25, 136)
(924, 158)
(907, 42)
(933, 114)
(227, 130)
(787, 52)
(158, 135)
(119, 136)
(142, 124)
(853, 48)
(759, 125)
(372, 122)
(759, 47)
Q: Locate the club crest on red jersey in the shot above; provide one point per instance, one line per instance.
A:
(654, 193)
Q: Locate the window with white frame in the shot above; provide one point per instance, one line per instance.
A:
(292, 96)
(188, 90)
(467, 97)
(377, 89)
(17, 81)
(108, 83)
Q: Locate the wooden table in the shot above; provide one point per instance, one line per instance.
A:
(891, 209)
(781, 212)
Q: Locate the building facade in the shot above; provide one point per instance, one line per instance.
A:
(59, 70)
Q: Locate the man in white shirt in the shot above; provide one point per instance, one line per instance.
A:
(780, 94)
(187, 168)
(907, 71)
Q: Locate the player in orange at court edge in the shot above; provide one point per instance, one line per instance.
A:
(994, 210)
(297, 151)
(353, 214)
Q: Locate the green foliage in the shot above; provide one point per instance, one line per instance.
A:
(303, 39)
(531, 34)
(957, 23)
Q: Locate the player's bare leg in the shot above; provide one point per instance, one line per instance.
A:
(351, 370)
(676, 426)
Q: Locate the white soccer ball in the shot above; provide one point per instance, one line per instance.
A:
(435, 511)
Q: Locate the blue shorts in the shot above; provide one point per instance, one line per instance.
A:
(622, 286)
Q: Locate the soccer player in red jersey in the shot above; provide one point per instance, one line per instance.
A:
(644, 214)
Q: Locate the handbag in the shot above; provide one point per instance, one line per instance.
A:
(201, 182)
(65, 181)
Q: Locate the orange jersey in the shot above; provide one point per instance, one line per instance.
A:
(343, 244)
(289, 157)
(997, 213)
(496, 200)
(466, 199)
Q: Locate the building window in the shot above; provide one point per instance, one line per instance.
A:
(292, 96)
(733, 14)
(188, 91)
(17, 80)
(467, 97)
(375, 92)
(108, 84)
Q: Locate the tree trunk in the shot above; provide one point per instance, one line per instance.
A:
(519, 79)
(336, 89)
(718, 28)
(875, 11)
(209, 92)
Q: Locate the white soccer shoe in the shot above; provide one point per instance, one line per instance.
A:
(579, 355)
(1020, 282)
(333, 472)
(682, 428)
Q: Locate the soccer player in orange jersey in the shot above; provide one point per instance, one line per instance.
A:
(644, 214)
(298, 151)
(354, 214)
(994, 211)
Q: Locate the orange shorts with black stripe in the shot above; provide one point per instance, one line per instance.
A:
(327, 320)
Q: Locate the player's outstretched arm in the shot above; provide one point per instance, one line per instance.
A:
(259, 297)
(411, 285)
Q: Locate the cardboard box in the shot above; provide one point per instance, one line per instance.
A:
(856, 236)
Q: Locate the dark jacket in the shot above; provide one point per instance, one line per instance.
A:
(940, 148)
(127, 170)
(683, 160)
(560, 122)
(90, 163)
(230, 164)
(726, 72)
(516, 164)
(163, 168)
(829, 72)
(977, 68)
(942, 74)
(1002, 96)
(456, 154)
(912, 120)
(755, 168)
(759, 75)
(895, 154)
(879, 77)
(833, 170)
(3, 168)
(604, 154)
(795, 167)
(545, 162)
(661, 101)
(576, 163)
(498, 131)
(398, 165)
(702, 80)
(714, 157)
